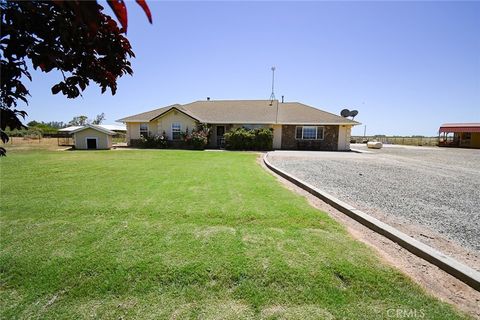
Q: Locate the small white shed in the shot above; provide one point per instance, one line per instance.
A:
(92, 137)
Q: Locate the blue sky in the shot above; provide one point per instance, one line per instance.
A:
(406, 66)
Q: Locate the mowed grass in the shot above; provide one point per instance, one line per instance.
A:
(155, 234)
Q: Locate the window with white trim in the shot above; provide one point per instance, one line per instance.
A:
(176, 130)
(309, 133)
(144, 129)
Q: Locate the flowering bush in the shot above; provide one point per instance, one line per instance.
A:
(198, 139)
(156, 141)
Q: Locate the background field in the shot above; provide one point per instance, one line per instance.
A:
(179, 234)
(46, 143)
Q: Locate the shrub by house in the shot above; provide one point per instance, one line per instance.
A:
(245, 139)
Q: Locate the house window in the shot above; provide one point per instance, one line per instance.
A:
(309, 133)
(176, 129)
(144, 129)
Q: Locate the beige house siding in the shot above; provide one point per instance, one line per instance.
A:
(277, 136)
(133, 131)
(164, 123)
(104, 141)
(160, 125)
(344, 134)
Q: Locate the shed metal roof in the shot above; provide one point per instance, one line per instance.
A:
(460, 127)
(70, 129)
(94, 127)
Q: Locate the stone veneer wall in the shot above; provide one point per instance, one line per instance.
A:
(329, 142)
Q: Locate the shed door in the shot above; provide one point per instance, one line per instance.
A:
(91, 143)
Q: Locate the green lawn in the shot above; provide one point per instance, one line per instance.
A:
(155, 234)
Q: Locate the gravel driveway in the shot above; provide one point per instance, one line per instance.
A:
(434, 188)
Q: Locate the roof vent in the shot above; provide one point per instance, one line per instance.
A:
(208, 98)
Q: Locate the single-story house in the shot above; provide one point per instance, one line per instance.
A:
(295, 125)
(463, 135)
(92, 137)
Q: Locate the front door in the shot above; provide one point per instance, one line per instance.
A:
(220, 133)
(91, 143)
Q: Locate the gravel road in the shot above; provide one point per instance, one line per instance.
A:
(434, 188)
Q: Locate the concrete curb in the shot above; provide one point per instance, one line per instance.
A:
(444, 262)
(361, 151)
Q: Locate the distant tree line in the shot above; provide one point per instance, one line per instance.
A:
(83, 120)
(39, 128)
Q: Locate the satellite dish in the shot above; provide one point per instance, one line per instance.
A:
(345, 113)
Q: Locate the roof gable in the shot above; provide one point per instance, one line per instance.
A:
(148, 115)
(94, 127)
(179, 109)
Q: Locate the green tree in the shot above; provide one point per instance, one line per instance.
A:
(33, 123)
(56, 124)
(73, 37)
(78, 121)
(99, 118)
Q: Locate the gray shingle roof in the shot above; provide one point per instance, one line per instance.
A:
(248, 112)
(146, 116)
(233, 111)
(299, 113)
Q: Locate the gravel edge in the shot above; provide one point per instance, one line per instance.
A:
(444, 262)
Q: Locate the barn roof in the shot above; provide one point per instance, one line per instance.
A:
(460, 127)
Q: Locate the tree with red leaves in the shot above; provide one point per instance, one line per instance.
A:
(74, 37)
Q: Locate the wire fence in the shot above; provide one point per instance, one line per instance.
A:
(63, 140)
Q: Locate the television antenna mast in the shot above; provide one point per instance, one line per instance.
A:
(272, 96)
